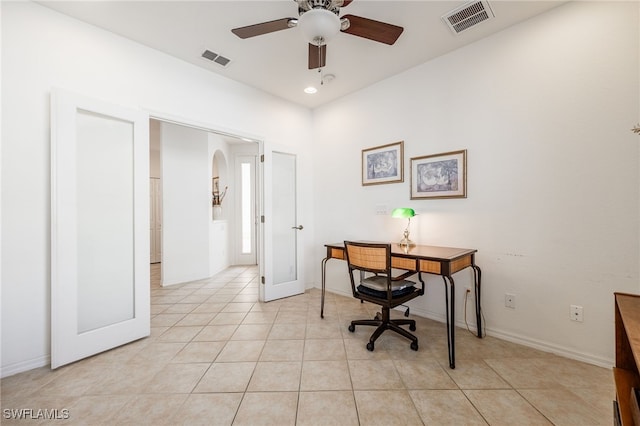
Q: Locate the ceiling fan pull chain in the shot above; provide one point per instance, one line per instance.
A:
(320, 41)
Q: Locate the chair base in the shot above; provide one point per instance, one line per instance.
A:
(384, 322)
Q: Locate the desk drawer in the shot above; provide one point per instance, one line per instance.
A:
(430, 266)
(402, 263)
(460, 264)
(337, 253)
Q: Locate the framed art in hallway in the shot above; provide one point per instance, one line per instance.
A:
(383, 164)
(439, 175)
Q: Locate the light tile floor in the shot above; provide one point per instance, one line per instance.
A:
(216, 356)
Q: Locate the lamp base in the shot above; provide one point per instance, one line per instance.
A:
(405, 242)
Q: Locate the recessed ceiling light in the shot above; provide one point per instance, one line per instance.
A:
(310, 90)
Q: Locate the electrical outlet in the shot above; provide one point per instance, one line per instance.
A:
(576, 313)
(510, 300)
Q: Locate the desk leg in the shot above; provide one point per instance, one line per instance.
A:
(324, 272)
(451, 325)
(477, 278)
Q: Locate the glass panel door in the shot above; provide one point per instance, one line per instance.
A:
(284, 218)
(282, 275)
(99, 227)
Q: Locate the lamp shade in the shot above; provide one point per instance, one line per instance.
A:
(318, 26)
(403, 212)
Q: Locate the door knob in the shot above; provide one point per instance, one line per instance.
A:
(299, 228)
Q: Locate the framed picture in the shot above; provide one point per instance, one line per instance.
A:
(439, 176)
(383, 164)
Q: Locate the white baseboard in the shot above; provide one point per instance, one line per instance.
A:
(19, 367)
(552, 348)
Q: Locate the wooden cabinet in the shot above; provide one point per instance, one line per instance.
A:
(625, 373)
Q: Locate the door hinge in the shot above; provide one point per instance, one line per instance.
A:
(262, 219)
(262, 158)
(262, 279)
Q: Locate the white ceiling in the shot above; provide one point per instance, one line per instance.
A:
(277, 62)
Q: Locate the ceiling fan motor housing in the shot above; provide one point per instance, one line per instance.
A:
(332, 6)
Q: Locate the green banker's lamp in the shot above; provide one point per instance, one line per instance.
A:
(404, 213)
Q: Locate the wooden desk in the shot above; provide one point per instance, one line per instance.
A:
(443, 261)
(626, 372)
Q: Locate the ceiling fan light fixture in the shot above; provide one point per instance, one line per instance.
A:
(318, 26)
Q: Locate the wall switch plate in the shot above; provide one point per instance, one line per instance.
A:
(510, 300)
(381, 210)
(576, 313)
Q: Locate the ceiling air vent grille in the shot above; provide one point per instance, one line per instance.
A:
(468, 15)
(214, 57)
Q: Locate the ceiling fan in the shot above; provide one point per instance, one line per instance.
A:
(319, 21)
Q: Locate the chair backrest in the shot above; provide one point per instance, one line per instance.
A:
(371, 257)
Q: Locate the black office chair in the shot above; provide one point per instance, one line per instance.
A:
(381, 288)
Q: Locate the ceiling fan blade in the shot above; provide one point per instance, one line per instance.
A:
(263, 28)
(373, 30)
(317, 56)
(346, 3)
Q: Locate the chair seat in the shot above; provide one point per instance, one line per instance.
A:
(379, 282)
(399, 292)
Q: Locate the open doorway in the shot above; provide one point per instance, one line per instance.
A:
(203, 212)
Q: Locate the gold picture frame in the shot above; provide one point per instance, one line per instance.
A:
(383, 164)
(439, 176)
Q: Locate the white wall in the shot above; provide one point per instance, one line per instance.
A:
(544, 109)
(186, 213)
(66, 53)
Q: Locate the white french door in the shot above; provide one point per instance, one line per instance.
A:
(283, 233)
(99, 227)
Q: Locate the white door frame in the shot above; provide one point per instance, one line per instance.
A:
(219, 130)
(239, 257)
(264, 257)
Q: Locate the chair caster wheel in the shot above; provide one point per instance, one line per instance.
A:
(414, 346)
(412, 327)
(352, 328)
(370, 346)
(378, 317)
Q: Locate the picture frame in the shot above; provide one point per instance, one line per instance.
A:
(383, 164)
(439, 175)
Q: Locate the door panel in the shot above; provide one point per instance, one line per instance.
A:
(99, 227)
(282, 233)
(104, 214)
(284, 213)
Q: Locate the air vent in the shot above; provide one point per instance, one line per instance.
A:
(214, 57)
(468, 15)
